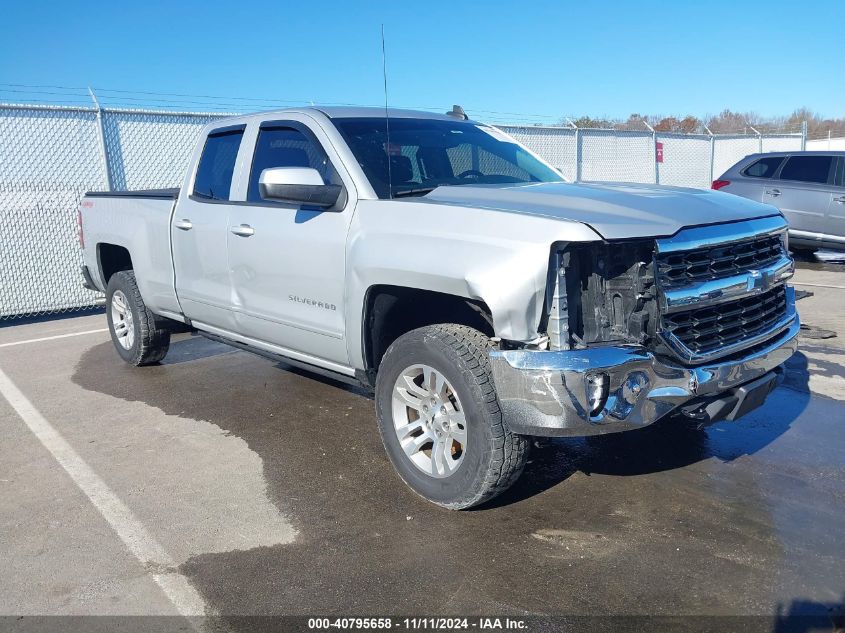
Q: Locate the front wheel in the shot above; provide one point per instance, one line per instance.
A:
(440, 420)
(138, 335)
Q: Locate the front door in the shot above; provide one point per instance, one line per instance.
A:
(288, 262)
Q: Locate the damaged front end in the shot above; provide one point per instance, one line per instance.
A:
(613, 315)
(602, 293)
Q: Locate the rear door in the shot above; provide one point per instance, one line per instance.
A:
(754, 178)
(199, 231)
(288, 261)
(835, 234)
(803, 191)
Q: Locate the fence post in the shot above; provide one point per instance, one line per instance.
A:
(712, 153)
(759, 140)
(578, 155)
(101, 133)
(656, 166)
(654, 151)
(804, 136)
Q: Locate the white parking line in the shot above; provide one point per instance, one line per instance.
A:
(152, 556)
(53, 338)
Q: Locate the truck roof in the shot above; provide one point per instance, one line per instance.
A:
(340, 112)
(361, 112)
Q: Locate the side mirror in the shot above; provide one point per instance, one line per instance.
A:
(297, 185)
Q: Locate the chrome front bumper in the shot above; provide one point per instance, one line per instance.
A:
(546, 392)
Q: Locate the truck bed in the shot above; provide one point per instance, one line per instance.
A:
(139, 222)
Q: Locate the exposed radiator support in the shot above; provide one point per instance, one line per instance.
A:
(559, 312)
(608, 293)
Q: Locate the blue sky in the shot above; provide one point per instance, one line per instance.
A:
(540, 60)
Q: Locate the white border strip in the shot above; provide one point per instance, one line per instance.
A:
(152, 556)
(801, 283)
(53, 338)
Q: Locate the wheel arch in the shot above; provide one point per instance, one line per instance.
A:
(389, 311)
(112, 258)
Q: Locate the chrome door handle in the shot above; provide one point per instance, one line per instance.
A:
(773, 192)
(244, 230)
(183, 224)
(840, 200)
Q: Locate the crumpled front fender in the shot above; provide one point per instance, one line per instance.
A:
(481, 254)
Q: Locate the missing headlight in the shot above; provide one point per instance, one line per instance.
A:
(605, 291)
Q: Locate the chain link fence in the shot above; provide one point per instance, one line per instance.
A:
(149, 150)
(681, 160)
(49, 158)
(51, 155)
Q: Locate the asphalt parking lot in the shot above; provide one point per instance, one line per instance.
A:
(220, 482)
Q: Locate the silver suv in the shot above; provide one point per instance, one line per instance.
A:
(807, 187)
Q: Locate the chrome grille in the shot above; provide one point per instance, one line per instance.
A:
(717, 262)
(710, 329)
(721, 288)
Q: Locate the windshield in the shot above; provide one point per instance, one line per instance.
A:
(426, 153)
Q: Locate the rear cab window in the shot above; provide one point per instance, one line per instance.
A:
(763, 168)
(217, 164)
(809, 169)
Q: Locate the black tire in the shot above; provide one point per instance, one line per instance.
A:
(151, 338)
(494, 456)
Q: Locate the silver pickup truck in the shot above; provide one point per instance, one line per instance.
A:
(442, 264)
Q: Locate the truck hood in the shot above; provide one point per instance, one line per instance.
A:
(613, 210)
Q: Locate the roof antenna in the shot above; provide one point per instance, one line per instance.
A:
(387, 148)
(458, 112)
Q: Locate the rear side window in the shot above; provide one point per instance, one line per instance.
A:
(217, 164)
(807, 168)
(763, 168)
(286, 147)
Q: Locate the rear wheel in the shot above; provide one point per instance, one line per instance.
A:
(440, 419)
(139, 337)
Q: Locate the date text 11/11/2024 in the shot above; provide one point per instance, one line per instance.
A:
(418, 624)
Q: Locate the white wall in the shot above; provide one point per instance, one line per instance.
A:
(823, 144)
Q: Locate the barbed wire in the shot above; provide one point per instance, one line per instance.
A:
(52, 94)
(114, 96)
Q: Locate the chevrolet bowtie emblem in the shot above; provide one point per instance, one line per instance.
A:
(757, 280)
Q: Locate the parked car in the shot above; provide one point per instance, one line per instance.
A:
(442, 264)
(807, 187)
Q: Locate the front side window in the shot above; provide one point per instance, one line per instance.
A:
(286, 147)
(217, 164)
(815, 169)
(423, 154)
(763, 168)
